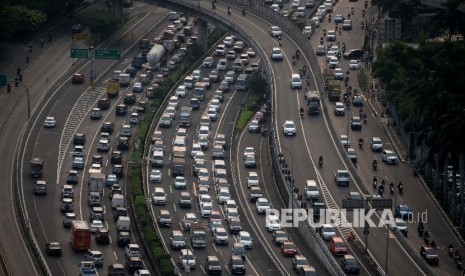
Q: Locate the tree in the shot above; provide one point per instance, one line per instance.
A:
(19, 22)
(449, 19)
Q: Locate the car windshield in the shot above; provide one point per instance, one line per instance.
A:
(301, 261)
(289, 125)
(339, 244)
(351, 262)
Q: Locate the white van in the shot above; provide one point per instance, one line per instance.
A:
(189, 82)
(311, 190)
(117, 201)
(94, 199)
(123, 223)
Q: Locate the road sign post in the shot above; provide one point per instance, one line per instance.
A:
(107, 54)
(79, 53)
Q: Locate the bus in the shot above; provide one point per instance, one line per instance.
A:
(242, 82)
(80, 235)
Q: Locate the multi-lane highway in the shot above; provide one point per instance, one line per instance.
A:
(71, 106)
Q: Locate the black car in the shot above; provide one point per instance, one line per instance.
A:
(119, 212)
(116, 157)
(107, 127)
(131, 71)
(123, 143)
(53, 249)
(121, 110)
(317, 206)
(102, 236)
(212, 265)
(236, 265)
(430, 255)
(72, 177)
(124, 238)
(129, 99)
(194, 103)
(97, 159)
(79, 139)
(350, 264)
(118, 170)
(133, 264)
(103, 103)
(353, 54)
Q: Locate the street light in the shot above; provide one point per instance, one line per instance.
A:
(387, 233)
(27, 98)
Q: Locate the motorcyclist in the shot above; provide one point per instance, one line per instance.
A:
(363, 13)
(297, 53)
(293, 59)
(426, 237)
(391, 187)
(329, 18)
(375, 164)
(451, 250)
(243, 10)
(360, 142)
(352, 10)
(301, 110)
(400, 186)
(375, 182)
(304, 69)
(421, 228)
(360, 112)
(320, 160)
(229, 10)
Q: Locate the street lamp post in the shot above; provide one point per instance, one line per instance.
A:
(387, 233)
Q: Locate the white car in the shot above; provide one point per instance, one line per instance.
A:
(245, 238)
(220, 236)
(277, 53)
(223, 195)
(220, 50)
(212, 114)
(181, 91)
(308, 30)
(389, 157)
(296, 81)
(289, 128)
(155, 176)
(338, 73)
(345, 142)
(250, 52)
(333, 62)
(327, 232)
(376, 144)
(205, 198)
(354, 64)
(248, 151)
(204, 131)
(132, 250)
(231, 213)
(95, 225)
(245, 58)
(208, 62)
(339, 109)
(206, 209)
(275, 7)
(50, 122)
(180, 182)
(316, 21)
(273, 223)
(215, 103)
(221, 65)
(262, 205)
(275, 31)
(252, 179)
(228, 41)
(197, 75)
(229, 77)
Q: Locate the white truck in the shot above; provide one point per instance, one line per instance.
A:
(124, 79)
(199, 236)
(96, 182)
(185, 116)
(155, 55)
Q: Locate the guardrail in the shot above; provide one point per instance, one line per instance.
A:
(18, 199)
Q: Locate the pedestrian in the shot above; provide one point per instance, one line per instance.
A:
(18, 70)
(16, 82)
(20, 77)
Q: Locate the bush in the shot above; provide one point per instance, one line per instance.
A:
(244, 118)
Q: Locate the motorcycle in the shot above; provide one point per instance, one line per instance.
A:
(280, 43)
(375, 183)
(375, 165)
(329, 18)
(401, 188)
(391, 188)
(320, 161)
(301, 112)
(243, 12)
(360, 143)
(363, 13)
(229, 11)
(421, 230)
(363, 25)
(322, 41)
(451, 250)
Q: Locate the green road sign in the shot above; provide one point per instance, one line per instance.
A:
(3, 80)
(79, 53)
(107, 54)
